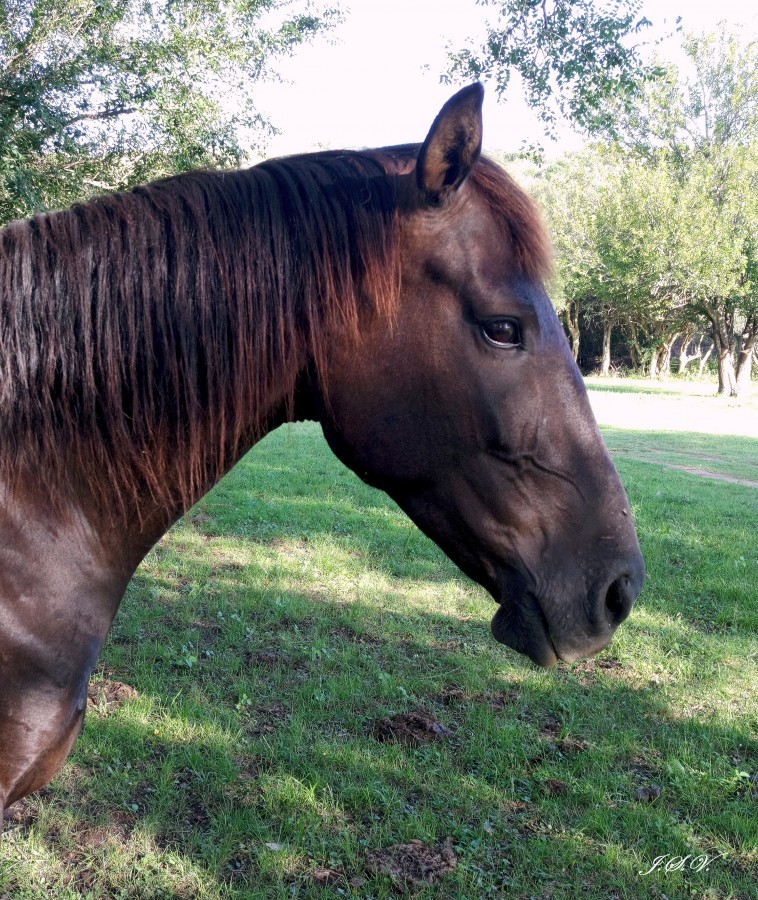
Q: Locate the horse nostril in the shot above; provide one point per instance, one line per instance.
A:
(619, 600)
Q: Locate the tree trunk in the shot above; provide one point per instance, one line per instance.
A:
(572, 324)
(635, 351)
(727, 374)
(605, 366)
(722, 322)
(655, 357)
(704, 359)
(685, 357)
(744, 365)
(747, 353)
(668, 348)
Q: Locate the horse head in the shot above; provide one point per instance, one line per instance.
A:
(468, 409)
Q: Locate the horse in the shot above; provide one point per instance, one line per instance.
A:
(397, 296)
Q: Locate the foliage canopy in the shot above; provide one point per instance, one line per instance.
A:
(657, 235)
(103, 94)
(573, 56)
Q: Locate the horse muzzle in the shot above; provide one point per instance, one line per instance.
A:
(549, 630)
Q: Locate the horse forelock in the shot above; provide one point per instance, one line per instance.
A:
(144, 336)
(519, 219)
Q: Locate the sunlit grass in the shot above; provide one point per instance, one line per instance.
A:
(290, 610)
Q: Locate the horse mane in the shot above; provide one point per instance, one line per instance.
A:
(519, 219)
(143, 334)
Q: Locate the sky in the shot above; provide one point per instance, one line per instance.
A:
(375, 80)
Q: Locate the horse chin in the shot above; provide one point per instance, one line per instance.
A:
(533, 641)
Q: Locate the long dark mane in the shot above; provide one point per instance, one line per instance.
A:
(142, 335)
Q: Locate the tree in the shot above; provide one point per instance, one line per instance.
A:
(572, 56)
(676, 215)
(683, 114)
(569, 191)
(101, 94)
(703, 125)
(614, 223)
(655, 257)
(716, 264)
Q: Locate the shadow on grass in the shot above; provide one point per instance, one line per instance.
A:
(223, 791)
(247, 762)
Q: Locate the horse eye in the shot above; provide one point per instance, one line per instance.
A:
(502, 332)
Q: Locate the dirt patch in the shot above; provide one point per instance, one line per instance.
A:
(513, 809)
(208, 626)
(497, 700)
(452, 695)
(642, 769)
(105, 696)
(598, 665)
(571, 745)
(198, 815)
(690, 470)
(336, 879)
(588, 671)
(20, 815)
(554, 743)
(718, 476)
(413, 729)
(716, 459)
(268, 658)
(414, 864)
(326, 877)
(554, 787)
(353, 637)
(267, 718)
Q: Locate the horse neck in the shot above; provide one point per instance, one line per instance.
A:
(198, 309)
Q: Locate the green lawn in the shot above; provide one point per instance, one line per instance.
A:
(729, 458)
(294, 608)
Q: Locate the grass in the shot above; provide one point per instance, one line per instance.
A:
(294, 607)
(731, 457)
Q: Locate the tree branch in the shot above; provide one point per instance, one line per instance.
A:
(111, 113)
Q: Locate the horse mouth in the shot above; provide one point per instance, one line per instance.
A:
(527, 632)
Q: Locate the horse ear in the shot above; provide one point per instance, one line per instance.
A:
(452, 146)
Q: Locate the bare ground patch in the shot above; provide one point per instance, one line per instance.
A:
(693, 470)
(105, 696)
(413, 728)
(719, 476)
(414, 864)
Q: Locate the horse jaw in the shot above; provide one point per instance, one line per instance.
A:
(509, 626)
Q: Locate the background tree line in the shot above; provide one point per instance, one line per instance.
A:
(100, 95)
(656, 231)
(655, 227)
